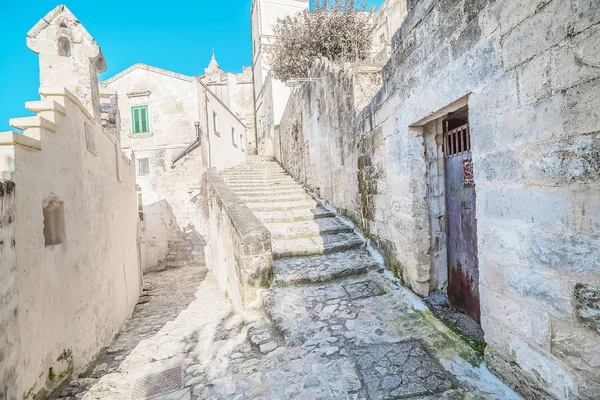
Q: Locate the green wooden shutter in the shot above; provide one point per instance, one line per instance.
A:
(139, 119)
(144, 118)
(135, 113)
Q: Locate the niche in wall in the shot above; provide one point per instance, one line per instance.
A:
(54, 222)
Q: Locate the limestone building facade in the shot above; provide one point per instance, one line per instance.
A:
(69, 272)
(270, 94)
(177, 127)
(474, 170)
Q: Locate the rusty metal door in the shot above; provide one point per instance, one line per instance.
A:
(463, 274)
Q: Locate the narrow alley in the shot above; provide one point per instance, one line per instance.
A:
(336, 326)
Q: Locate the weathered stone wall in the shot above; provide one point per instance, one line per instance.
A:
(75, 223)
(529, 75)
(240, 246)
(10, 339)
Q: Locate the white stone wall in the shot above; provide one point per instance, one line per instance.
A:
(236, 91)
(10, 340)
(74, 287)
(527, 73)
(175, 232)
(79, 292)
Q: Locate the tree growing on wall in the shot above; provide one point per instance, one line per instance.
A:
(340, 30)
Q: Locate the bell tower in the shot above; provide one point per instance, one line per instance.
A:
(69, 56)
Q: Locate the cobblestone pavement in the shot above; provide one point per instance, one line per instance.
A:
(335, 325)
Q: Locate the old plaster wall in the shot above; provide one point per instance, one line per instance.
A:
(75, 222)
(174, 231)
(236, 91)
(75, 294)
(10, 340)
(529, 74)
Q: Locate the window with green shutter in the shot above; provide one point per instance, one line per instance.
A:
(139, 119)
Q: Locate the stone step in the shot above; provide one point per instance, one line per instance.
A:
(293, 215)
(261, 182)
(275, 198)
(299, 229)
(263, 186)
(242, 175)
(267, 193)
(281, 205)
(326, 244)
(324, 268)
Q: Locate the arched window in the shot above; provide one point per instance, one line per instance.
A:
(64, 47)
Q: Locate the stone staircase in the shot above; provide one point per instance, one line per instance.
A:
(185, 251)
(310, 243)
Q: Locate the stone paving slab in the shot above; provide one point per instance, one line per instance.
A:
(297, 271)
(326, 244)
(326, 319)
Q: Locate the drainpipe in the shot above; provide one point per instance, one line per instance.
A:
(207, 127)
(195, 144)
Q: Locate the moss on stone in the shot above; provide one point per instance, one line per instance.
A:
(456, 343)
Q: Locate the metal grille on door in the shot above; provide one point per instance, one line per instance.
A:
(457, 141)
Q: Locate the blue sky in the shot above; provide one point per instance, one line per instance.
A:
(177, 35)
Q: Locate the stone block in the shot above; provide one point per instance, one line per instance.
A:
(534, 206)
(576, 347)
(534, 78)
(576, 254)
(563, 162)
(576, 60)
(585, 218)
(587, 306)
(499, 166)
(500, 242)
(544, 29)
(543, 369)
(584, 13)
(517, 316)
(583, 103)
(540, 287)
(499, 95)
(467, 39)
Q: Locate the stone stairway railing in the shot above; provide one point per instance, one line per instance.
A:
(239, 244)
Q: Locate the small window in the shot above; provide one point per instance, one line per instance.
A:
(382, 38)
(139, 119)
(64, 47)
(54, 222)
(241, 141)
(143, 166)
(233, 137)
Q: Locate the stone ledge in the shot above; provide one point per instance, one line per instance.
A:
(32, 122)
(45, 105)
(13, 138)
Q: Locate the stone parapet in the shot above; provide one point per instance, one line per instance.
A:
(240, 245)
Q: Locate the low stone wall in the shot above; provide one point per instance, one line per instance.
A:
(240, 246)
